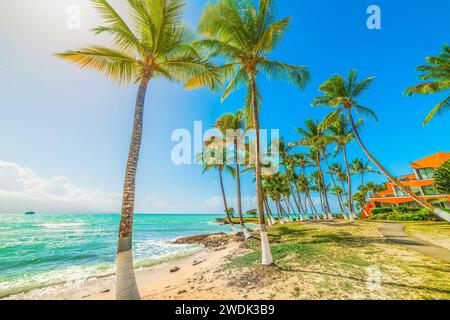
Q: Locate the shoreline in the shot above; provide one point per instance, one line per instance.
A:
(157, 278)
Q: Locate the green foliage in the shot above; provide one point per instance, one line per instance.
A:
(404, 209)
(437, 79)
(155, 44)
(442, 178)
(382, 210)
(253, 212)
(243, 35)
(417, 215)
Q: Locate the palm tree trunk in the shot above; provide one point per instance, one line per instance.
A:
(267, 258)
(341, 205)
(349, 182)
(126, 286)
(238, 185)
(363, 200)
(325, 193)
(224, 198)
(439, 212)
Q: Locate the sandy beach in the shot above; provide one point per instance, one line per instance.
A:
(194, 279)
(315, 261)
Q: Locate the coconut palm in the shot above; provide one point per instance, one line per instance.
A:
(288, 163)
(341, 93)
(341, 134)
(213, 158)
(156, 44)
(244, 35)
(437, 77)
(442, 178)
(313, 137)
(361, 167)
(302, 161)
(232, 126)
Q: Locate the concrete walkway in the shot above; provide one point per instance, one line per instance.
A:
(395, 233)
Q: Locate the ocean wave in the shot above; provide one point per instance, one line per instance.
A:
(63, 225)
(73, 277)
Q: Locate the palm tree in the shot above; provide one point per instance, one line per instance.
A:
(341, 133)
(288, 162)
(244, 35)
(437, 75)
(232, 126)
(302, 161)
(442, 178)
(361, 167)
(155, 45)
(213, 159)
(313, 137)
(341, 94)
(335, 186)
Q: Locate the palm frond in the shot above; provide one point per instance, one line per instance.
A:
(440, 109)
(115, 64)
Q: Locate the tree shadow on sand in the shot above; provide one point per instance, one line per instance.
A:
(361, 280)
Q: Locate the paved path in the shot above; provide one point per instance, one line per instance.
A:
(395, 233)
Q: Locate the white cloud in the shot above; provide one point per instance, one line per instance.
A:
(21, 190)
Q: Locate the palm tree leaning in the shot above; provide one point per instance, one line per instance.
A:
(437, 77)
(212, 159)
(342, 134)
(232, 126)
(313, 137)
(156, 45)
(361, 167)
(244, 35)
(341, 94)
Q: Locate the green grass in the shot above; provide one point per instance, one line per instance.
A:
(332, 260)
(437, 233)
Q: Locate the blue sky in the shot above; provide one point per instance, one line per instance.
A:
(65, 131)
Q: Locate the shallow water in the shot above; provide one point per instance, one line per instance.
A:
(41, 250)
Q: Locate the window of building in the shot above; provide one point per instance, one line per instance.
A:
(425, 173)
(399, 192)
(417, 190)
(429, 191)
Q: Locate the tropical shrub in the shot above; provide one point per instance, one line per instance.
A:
(404, 209)
(420, 215)
(253, 212)
(382, 210)
(442, 178)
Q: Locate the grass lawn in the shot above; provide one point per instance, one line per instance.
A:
(336, 260)
(437, 233)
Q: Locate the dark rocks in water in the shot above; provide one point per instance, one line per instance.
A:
(30, 213)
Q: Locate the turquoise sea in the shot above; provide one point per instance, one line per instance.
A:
(38, 251)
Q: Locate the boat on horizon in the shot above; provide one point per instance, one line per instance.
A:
(29, 213)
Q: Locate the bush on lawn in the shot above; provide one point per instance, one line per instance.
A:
(382, 210)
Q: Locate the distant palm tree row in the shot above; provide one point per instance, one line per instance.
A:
(239, 37)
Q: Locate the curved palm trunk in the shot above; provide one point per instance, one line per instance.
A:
(325, 192)
(126, 286)
(349, 182)
(267, 258)
(439, 212)
(238, 185)
(341, 205)
(224, 198)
